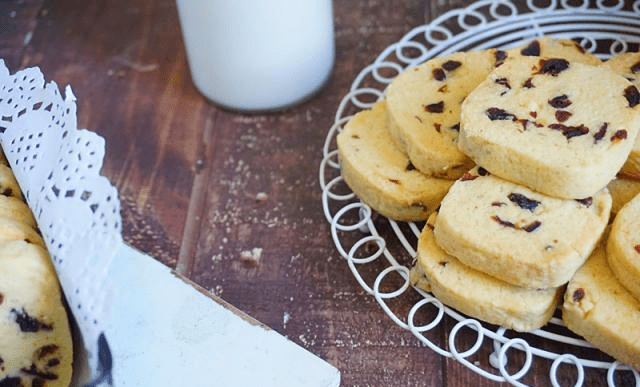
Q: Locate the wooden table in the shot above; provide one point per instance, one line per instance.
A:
(201, 186)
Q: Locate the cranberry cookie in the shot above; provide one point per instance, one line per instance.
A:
(517, 235)
(477, 294)
(382, 175)
(597, 307)
(35, 339)
(559, 127)
(424, 110)
(628, 65)
(623, 246)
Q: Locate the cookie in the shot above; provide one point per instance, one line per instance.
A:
(17, 210)
(8, 184)
(561, 128)
(622, 190)
(628, 65)
(623, 246)
(597, 307)
(424, 110)
(380, 174)
(517, 235)
(35, 338)
(548, 47)
(477, 294)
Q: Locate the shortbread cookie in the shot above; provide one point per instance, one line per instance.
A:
(477, 294)
(623, 247)
(35, 339)
(628, 65)
(622, 190)
(518, 235)
(558, 127)
(380, 174)
(8, 183)
(597, 307)
(547, 47)
(17, 210)
(424, 110)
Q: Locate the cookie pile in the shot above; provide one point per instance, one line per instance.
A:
(35, 338)
(524, 155)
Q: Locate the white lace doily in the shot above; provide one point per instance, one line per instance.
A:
(376, 249)
(77, 209)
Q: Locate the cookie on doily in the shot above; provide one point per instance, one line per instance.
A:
(35, 339)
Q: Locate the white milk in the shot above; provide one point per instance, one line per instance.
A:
(258, 54)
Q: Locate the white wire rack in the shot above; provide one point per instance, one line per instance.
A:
(376, 248)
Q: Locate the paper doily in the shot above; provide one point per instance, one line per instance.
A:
(376, 248)
(78, 211)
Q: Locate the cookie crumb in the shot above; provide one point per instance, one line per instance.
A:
(261, 196)
(251, 256)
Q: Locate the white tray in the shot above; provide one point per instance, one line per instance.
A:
(603, 28)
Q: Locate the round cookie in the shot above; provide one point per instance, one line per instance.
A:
(380, 174)
(8, 183)
(35, 338)
(628, 65)
(597, 307)
(548, 47)
(622, 190)
(477, 294)
(558, 127)
(518, 235)
(424, 109)
(623, 246)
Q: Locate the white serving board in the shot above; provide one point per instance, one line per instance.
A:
(166, 332)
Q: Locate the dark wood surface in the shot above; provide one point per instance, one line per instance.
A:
(200, 185)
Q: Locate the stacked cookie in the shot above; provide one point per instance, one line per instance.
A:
(531, 141)
(35, 338)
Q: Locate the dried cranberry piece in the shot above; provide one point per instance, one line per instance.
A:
(437, 127)
(437, 107)
(456, 127)
(553, 66)
(635, 68)
(599, 135)
(570, 131)
(451, 65)
(637, 248)
(528, 84)
(587, 202)
(533, 49)
(439, 75)
(504, 223)
(578, 295)
(619, 135)
(560, 102)
(500, 57)
(28, 323)
(495, 113)
(632, 95)
(523, 202)
(563, 115)
(504, 82)
(482, 171)
(410, 166)
(532, 226)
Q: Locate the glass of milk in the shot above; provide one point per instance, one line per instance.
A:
(258, 55)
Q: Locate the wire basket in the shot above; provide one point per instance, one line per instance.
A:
(379, 251)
